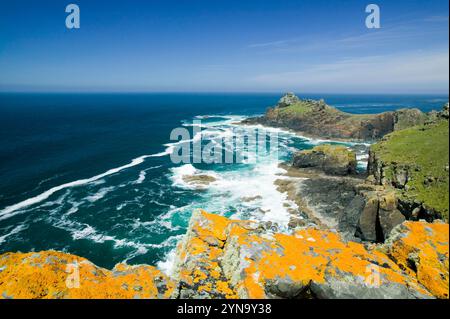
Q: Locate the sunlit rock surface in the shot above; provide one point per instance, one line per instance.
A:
(51, 274)
(421, 249)
(223, 258)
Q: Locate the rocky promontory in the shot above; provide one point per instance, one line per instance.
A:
(318, 119)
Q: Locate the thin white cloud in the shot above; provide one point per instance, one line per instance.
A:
(394, 33)
(405, 72)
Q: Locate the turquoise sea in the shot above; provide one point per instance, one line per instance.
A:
(90, 174)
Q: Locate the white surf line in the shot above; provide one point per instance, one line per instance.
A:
(7, 211)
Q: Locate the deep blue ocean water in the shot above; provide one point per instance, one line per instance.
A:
(90, 174)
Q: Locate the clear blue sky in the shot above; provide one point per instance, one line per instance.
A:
(258, 46)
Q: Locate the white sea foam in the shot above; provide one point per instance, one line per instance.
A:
(14, 231)
(180, 172)
(100, 194)
(257, 183)
(167, 264)
(10, 211)
(141, 177)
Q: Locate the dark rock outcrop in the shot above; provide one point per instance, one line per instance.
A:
(331, 159)
(379, 215)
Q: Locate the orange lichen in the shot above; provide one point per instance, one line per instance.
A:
(314, 256)
(223, 258)
(200, 268)
(52, 274)
(422, 250)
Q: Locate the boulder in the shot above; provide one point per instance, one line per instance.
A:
(331, 159)
(199, 181)
(379, 216)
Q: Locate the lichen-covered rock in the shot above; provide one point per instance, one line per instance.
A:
(421, 249)
(197, 267)
(332, 159)
(57, 275)
(313, 263)
(223, 258)
(240, 259)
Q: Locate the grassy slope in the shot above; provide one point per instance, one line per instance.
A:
(299, 108)
(425, 147)
(304, 107)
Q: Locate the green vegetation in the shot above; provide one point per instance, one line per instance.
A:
(299, 108)
(338, 152)
(424, 151)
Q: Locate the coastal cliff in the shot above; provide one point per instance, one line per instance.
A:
(223, 258)
(414, 162)
(317, 119)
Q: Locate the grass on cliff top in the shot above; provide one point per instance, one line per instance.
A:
(427, 148)
(338, 152)
(299, 108)
(305, 107)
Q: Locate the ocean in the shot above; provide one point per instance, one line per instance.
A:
(91, 174)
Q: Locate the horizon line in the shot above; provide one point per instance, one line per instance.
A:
(217, 92)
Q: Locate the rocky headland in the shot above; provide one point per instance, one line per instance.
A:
(318, 119)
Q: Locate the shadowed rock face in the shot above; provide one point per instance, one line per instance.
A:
(223, 258)
(318, 119)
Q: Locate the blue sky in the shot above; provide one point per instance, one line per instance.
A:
(256, 46)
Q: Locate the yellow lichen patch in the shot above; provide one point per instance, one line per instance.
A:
(199, 271)
(51, 274)
(421, 249)
(212, 226)
(313, 255)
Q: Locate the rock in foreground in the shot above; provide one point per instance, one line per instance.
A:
(56, 275)
(223, 258)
